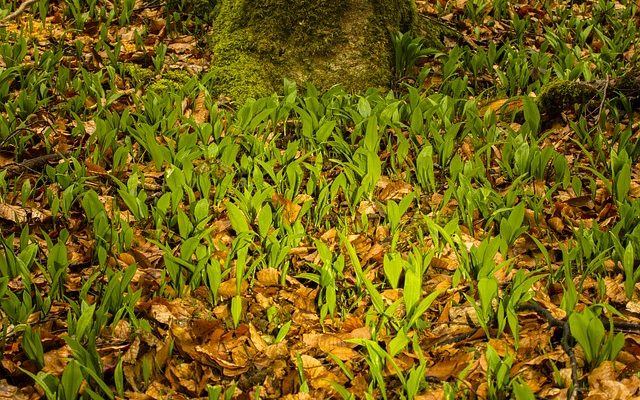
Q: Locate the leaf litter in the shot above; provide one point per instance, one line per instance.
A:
(188, 342)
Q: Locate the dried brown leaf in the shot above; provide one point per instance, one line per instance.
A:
(395, 190)
(450, 367)
(10, 392)
(56, 360)
(228, 288)
(200, 111)
(13, 213)
(290, 210)
(604, 382)
(556, 224)
(268, 276)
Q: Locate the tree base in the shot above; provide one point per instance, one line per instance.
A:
(258, 44)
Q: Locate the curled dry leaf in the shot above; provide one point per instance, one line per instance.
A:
(268, 276)
(615, 289)
(122, 330)
(633, 306)
(13, 213)
(95, 169)
(256, 339)
(467, 149)
(395, 190)
(450, 367)
(56, 360)
(10, 392)
(634, 190)
(228, 288)
(367, 207)
(556, 224)
(276, 351)
(126, 258)
(161, 313)
(183, 374)
(441, 263)
(291, 209)
(432, 393)
(329, 235)
(200, 111)
(317, 374)
(604, 382)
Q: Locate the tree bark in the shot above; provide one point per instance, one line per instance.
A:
(256, 44)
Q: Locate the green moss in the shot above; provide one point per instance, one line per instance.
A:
(139, 74)
(178, 76)
(240, 74)
(556, 96)
(258, 44)
(397, 15)
(171, 80)
(163, 85)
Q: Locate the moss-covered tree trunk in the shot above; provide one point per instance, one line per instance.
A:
(256, 44)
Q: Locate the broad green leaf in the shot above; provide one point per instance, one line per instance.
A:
(236, 309)
(238, 219)
(32, 346)
(398, 343)
(392, 266)
(531, 113)
(325, 131)
(376, 297)
(412, 286)
(622, 183)
(487, 291)
(423, 306)
(282, 332)
(71, 380)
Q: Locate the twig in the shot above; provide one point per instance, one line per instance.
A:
(18, 11)
(15, 169)
(604, 96)
(535, 306)
(618, 326)
(455, 338)
(574, 389)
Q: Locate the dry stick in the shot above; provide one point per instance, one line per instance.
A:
(18, 11)
(574, 390)
(574, 393)
(455, 338)
(16, 169)
(604, 96)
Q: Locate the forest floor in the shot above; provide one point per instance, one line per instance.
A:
(446, 240)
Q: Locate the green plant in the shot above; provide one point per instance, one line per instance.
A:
(588, 330)
(408, 51)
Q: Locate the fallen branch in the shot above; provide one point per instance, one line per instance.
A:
(456, 338)
(567, 346)
(22, 8)
(17, 168)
